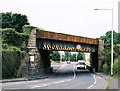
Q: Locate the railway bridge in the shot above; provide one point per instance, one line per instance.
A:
(41, 43)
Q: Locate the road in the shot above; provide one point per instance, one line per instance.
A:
(66, 77)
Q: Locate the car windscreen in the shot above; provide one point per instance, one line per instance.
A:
(81, 63)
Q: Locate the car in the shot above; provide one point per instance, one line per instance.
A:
(81, 64)
(68, 62)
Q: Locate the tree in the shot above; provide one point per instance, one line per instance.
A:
(107, 43)
(16, 21)
(73, 57)
(107, 49)
(107, 38)
(63, 58)
(56, 56)
(67, 56)
(80, 56)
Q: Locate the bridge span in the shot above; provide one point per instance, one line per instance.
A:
(41, 43)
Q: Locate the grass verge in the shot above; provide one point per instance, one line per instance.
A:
(116, 76)
(55, 62)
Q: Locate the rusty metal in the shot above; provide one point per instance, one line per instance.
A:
(65, 37)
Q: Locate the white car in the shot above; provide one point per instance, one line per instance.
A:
(68, 62)
(81, 64)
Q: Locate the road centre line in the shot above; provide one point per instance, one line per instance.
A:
(56, 82)
(93, 83)
(74, 72)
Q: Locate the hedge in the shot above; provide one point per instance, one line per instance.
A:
(106, 69)
(11, 61)
(11, 37)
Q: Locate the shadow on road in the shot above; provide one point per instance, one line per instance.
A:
(70, 73)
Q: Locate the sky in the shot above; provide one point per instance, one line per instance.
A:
(75, 17)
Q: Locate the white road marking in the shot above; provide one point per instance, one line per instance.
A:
(74, 72)
(56, 82)
(0, 86)
(93, 83)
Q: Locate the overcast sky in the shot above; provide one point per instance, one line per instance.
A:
(75, 17)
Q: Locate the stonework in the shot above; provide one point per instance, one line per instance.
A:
(100, 56)
(41, 64)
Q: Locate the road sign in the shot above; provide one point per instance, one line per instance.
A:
(78, 47)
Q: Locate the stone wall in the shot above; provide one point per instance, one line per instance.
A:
(41, 64)
(100, 56)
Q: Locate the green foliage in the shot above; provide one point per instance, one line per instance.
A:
(13, 48)
(5, 46)
(73, 57)
(107, 57)
(67, 56)
(118, 38)
(107, 49)
(106, 69)
(63, 58)
(107, 38)
(116, 68)
(11, 60)
(11, 37)
(80, 56)
(116, 51)
(27, 29)
(16, 21)
(14, 42)
(55, 62)
(56, 56)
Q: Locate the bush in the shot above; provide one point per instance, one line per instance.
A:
(11, 61)
(13, 48)
(11, 37)
(106, 69)
(27, 29)
(56, 56)
(116, 68)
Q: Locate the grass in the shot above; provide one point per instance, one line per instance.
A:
(116, 76)
(55, 62)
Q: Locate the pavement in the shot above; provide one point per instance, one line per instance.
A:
(113, 83)
(55, 67)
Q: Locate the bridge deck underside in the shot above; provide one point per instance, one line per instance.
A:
(46, 44)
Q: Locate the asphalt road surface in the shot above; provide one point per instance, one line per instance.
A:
(66, 77)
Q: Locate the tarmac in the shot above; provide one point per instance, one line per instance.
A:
(112, 82)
